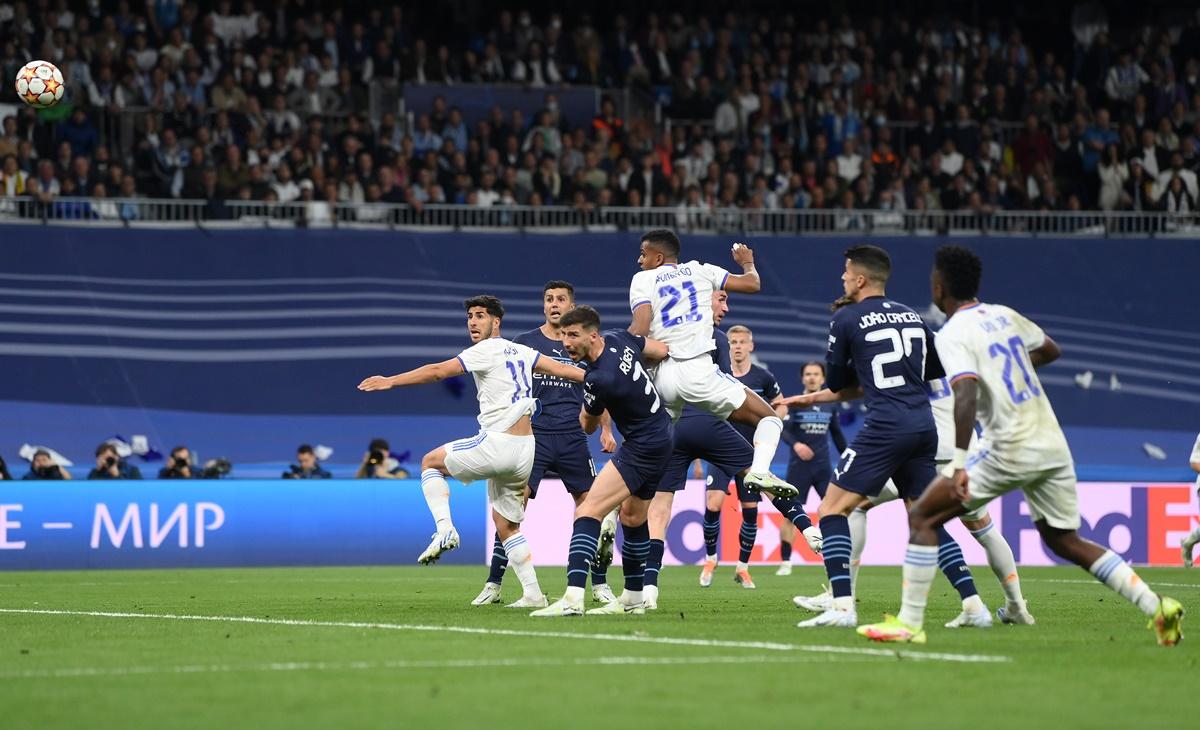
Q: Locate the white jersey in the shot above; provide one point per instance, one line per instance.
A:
(1196, 458)
(503, 373)
(680, 296)
(991, 343)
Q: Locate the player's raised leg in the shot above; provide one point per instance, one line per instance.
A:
(768, 426)
(437, 496)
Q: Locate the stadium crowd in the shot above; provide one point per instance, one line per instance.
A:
(270, 101)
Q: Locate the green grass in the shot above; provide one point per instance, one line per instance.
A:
(1089, 662)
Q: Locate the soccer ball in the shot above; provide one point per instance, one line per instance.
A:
(40, 84)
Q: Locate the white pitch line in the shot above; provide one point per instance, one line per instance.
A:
(633, 638)
(1097, 583)
(75, 672)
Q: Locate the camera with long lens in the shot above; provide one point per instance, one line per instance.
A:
(109, 461)
(376, 457)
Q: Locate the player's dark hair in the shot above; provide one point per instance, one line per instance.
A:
(961, 271)
(583, 315)
(814, 363)
(872, 258)
(559, 284)
(488, 302)
(379, 445)
(106, 446)
(304, 449)
(664, 240)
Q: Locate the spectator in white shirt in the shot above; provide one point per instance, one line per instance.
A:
(849, 163)
(952, 159)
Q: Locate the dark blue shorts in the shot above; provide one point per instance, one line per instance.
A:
(564, 454)
(874, 457)
(718, 481)
(805, 475)
(709, 439)
(642, 466)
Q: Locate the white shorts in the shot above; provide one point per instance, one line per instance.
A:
(503, 459)
(1050, 493)
(699, 382)
(890, 493)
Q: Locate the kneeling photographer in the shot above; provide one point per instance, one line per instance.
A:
(378, 463)
(110, 465)
(306, 466)
(179, 466)
(43, 467)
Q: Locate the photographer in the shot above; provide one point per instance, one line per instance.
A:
(109, 465)
(4, 475)
(378, 463)
(306, 466)
(180, 465)
(44, 467)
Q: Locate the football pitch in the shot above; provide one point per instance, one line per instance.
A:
(402, 647)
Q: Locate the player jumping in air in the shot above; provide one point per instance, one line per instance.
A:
(503, 450)
(562, 446)
(670, 302)
(990, 353)
(616, 380)
(881, 350)
(701, 435)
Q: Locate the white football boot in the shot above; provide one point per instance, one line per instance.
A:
(490, 594)
(833, 618)
(538, 601)
(819, 603)
(443, 542)
(560, 608)
(601, 593)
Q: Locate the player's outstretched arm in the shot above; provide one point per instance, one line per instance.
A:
(655, 350)
(1046, 354)
(748, 282)
(550, 366)
(825, 395)
(430, 373)
(640, 324)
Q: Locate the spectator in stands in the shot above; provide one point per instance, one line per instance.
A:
(13, 180)
(1113, 174)
(378, 463)
(43, 467)
(109, 465)
(179, 465)
(306, 466)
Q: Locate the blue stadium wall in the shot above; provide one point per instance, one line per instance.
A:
(244, 343)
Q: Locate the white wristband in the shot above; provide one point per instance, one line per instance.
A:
(958, 462)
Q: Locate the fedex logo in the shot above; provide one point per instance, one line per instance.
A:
(1143, 523)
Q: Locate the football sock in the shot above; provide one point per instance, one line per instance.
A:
(712, 531)
(1115, 573)
(1000, 560)
(785, 551)
(858, 543)
(748, 533)
(517, 549)
(766, 440)
(920, 566)
(793, 511)
(437, 496)
(950, 560)
(635, 548)
(585, 538)
(1191, 540)
(653, 562)
(499, 561)
(836, 553)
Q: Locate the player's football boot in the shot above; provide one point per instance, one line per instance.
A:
(971, 619)
(1168, 621)
(489, 594)
(819, 603)
(812, 535)
(892, 629)
(608, 536)
(741, 576)
(442, 542)
(618, 608)
(527, 601)
(1015, 614)
(650, 598)
(770, 484)
(784, 569)
(706, 572)
(602, 593)
(832, 617)
(560, 608)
